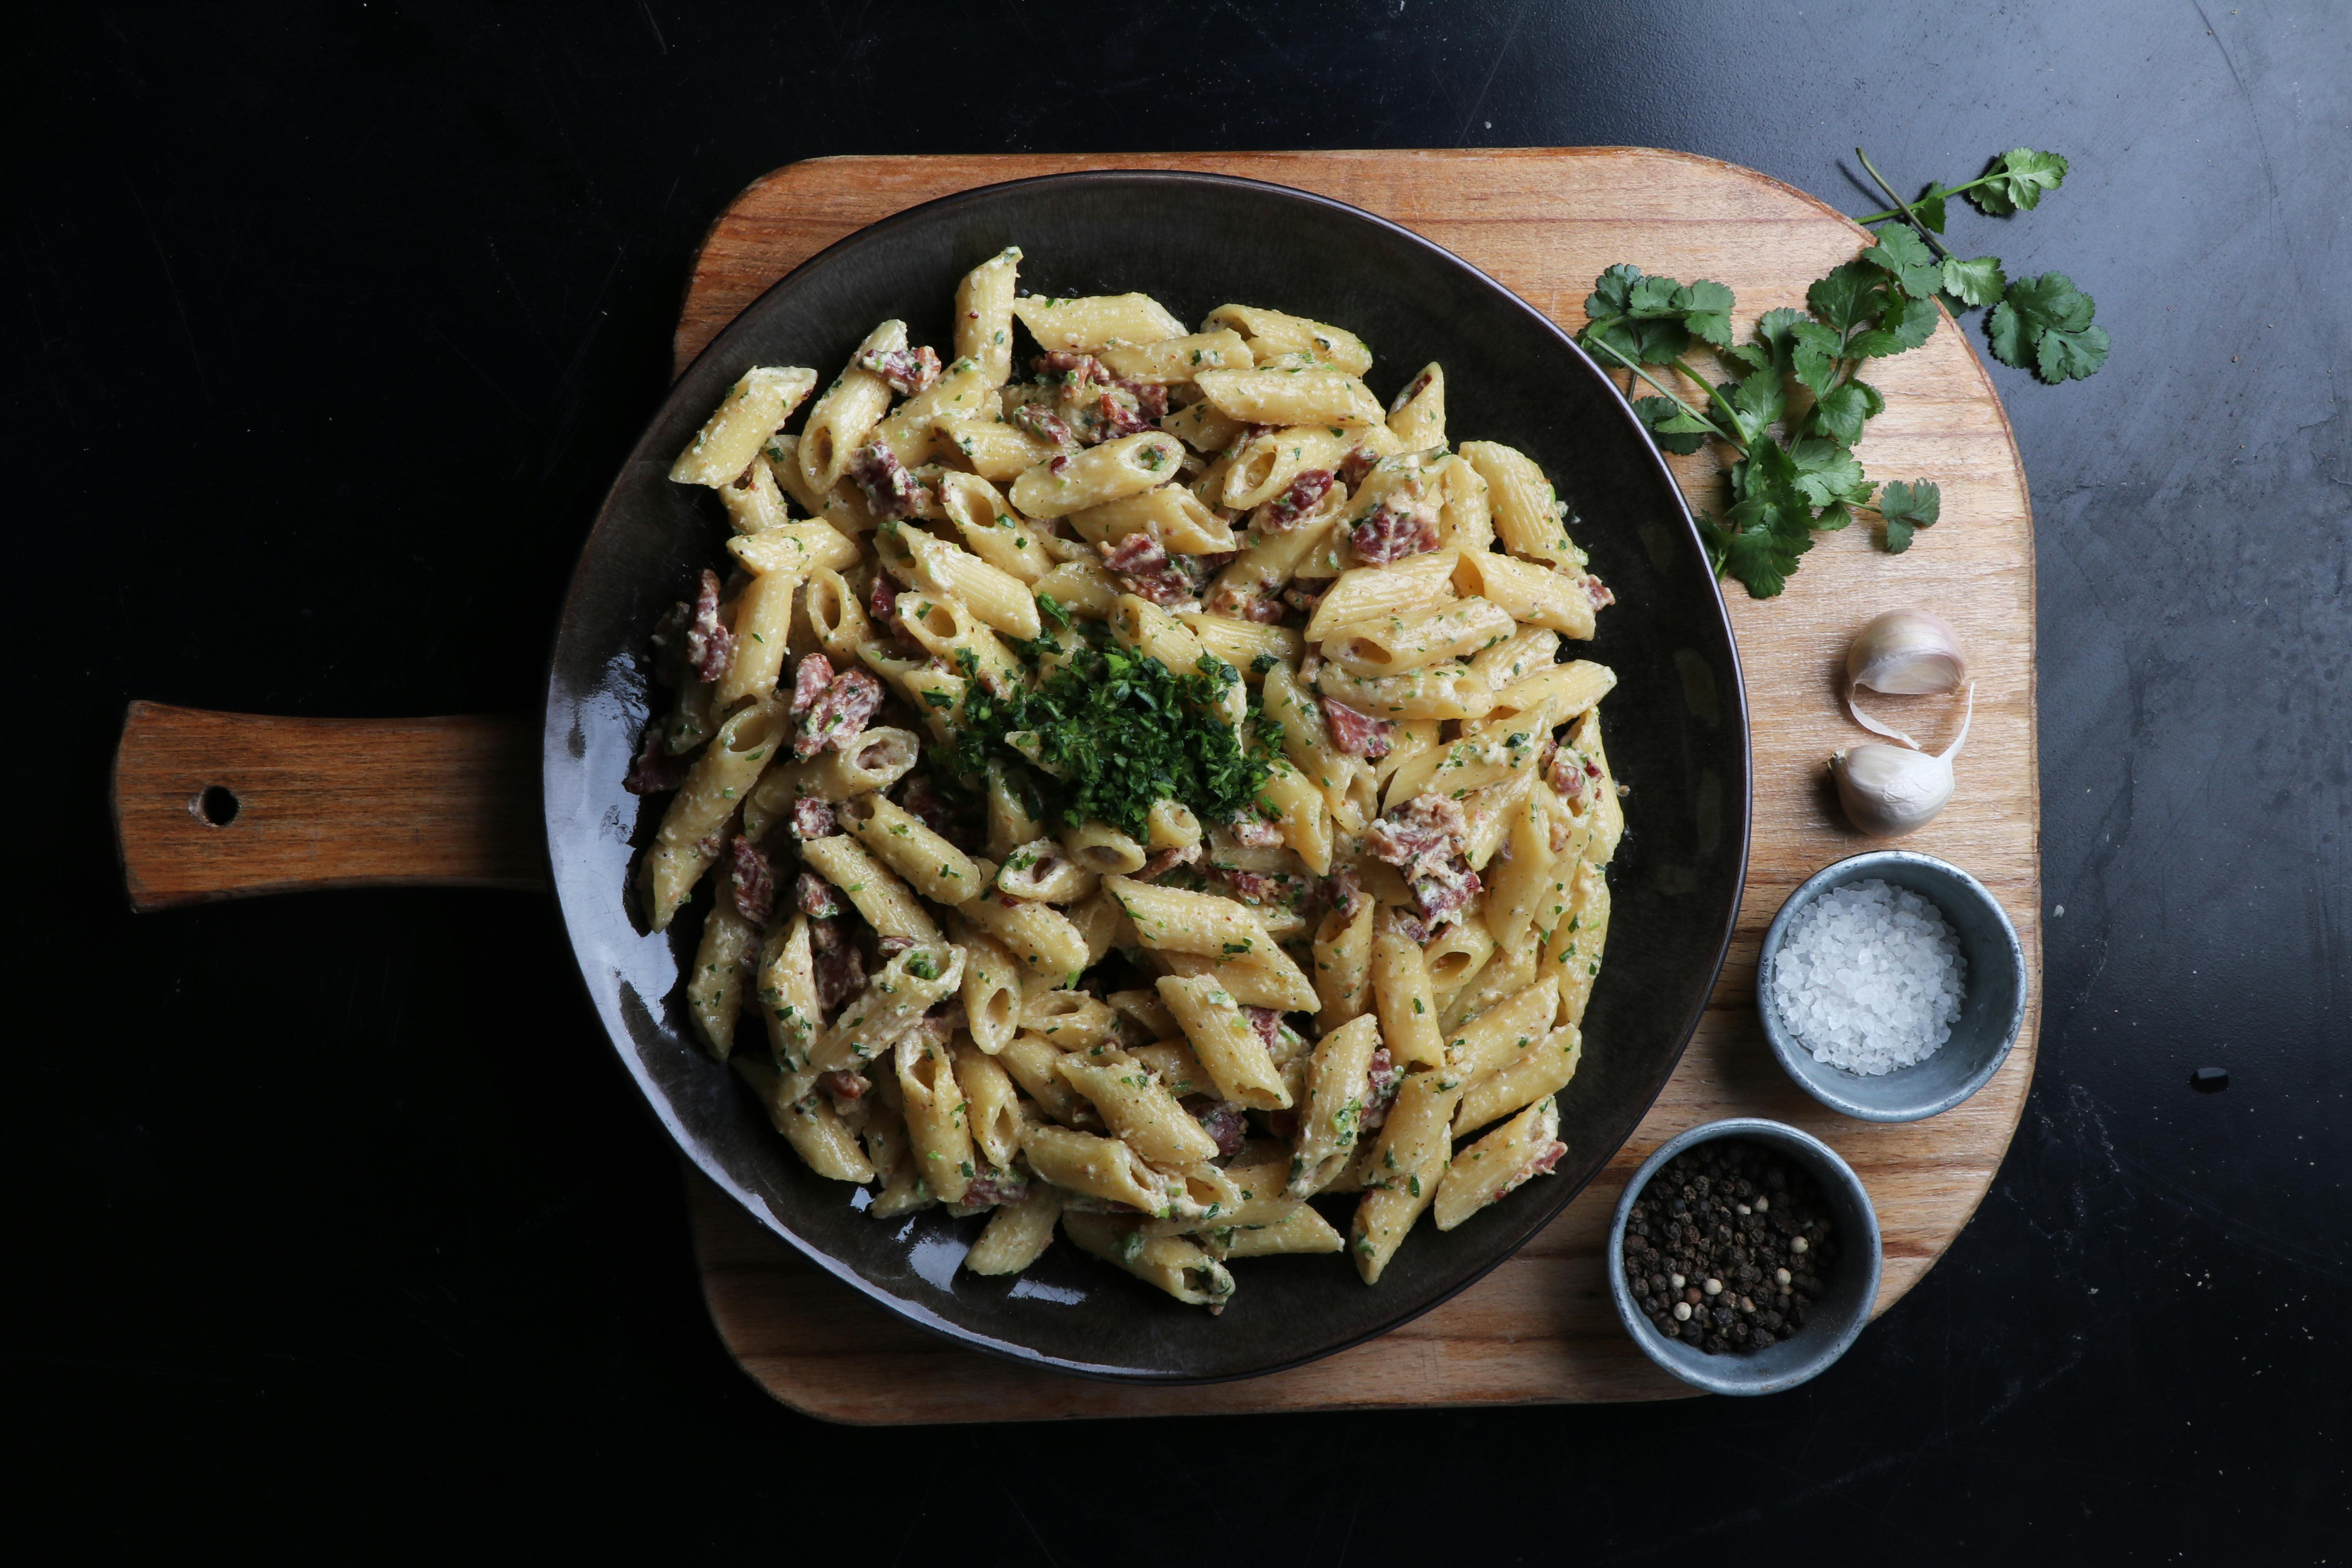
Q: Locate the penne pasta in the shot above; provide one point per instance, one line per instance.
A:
(840, 420)
(1291, 398)
(1500, 1163)
(693, 828)
(1095, 322)
(1417, 583)
(1408, 1164)
(983, 314)
(1017, 1234)
(1535, 1073)
(753, 410)
(1282, 333)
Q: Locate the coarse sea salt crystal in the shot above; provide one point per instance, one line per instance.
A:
(1869, 978)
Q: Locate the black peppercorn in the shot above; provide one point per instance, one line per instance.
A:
(1771, 1267)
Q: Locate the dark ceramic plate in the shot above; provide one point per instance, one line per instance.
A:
(1193, 242)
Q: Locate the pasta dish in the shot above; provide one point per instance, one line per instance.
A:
(1144, 786)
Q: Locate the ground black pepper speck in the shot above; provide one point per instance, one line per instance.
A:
(1700, 1220)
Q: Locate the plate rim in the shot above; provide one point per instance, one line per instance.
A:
(555, 755)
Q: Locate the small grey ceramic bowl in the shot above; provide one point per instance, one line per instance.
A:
(1836, 1320)
(1992, 1002)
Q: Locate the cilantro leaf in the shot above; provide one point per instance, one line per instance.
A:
(1813, 356)
(2016, 180)
(2011, 337)
(1707, 312)
(1841, 414)
(1612, 293)
(1774, 339)
(1848, 296)
(2051, 300)
(1758, 400)
(1658, 413)
(1761, 561)
(1905, 507)
(1914, 322)
(1930, 208)
(1976, 281)
(1903, 254)
(2071, 356)
(1651, 319)
(1827, 472)
(2044, 324)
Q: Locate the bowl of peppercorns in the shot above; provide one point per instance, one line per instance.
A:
(1744, 1257)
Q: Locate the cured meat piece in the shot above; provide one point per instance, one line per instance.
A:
(1266, 1022)
(810, 677)
(1420, 836)
(1572, 777)
(908, 370)
(991, 1187)
(1288, 509)
(1356, 465)
(1445, 892)
(750, 881)
(1396, 529)
(840, 974)
(1071, 368)
(1255, 887)
(1303, 600)
(1358, 734)
(654, 771)
(815, 898)
(891, 492)
(1344, 892)
(1256, 832)
(1159, 862)
(1043, 423)
(1221, 1120)
(922, 797)
(1149, 396)
(845, 1088)
(1383, 1077)
(709, 646)
(1598, 591)
(1237, 603)
(840, 716)
(812, 818)
(1149, 571)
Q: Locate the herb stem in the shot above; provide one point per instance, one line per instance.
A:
(1610, 348)
(1714, 393)
(1949, 190)
(1903, 206)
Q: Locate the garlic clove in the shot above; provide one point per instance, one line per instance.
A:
(1888, 791)
(1906, 653)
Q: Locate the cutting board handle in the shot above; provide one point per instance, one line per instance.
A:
(222, 806)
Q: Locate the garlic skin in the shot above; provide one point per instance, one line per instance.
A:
(1887, 791)
(1906, 653)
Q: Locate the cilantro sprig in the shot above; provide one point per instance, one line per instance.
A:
(1796, 402)
(1121, 731)
(1800, 376)
(2041, 324)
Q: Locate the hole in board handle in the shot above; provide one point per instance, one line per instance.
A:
(216, 804)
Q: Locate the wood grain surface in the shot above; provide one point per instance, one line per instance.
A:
(324, 803)
(1543, 222)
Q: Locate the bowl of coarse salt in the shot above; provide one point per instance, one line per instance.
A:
(1891, 985)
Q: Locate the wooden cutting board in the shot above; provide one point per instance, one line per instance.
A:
(1542, 1328)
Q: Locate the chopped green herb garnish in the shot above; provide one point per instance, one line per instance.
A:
(1121, 732)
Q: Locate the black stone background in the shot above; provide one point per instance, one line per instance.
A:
(329, 1221)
